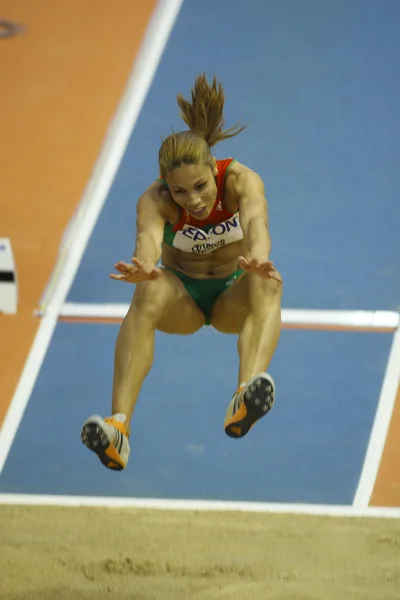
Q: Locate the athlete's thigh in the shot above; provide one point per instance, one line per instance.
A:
(182, 315)
(231, 308)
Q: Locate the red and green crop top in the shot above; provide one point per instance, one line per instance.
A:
(198, 236)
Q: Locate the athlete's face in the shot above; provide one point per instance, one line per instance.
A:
(193, 187)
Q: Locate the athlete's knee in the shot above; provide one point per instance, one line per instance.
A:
(274, 289)
(264, 292)
(150, 299)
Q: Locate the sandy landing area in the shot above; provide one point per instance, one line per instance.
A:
(83, 554)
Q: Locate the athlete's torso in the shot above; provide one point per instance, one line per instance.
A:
(206, 248)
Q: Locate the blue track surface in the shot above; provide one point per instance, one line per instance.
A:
(309, 449)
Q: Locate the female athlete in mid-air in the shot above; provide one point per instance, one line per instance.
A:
(207, 220)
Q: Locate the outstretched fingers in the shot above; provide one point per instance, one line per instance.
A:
(135, 272)
(262, 268)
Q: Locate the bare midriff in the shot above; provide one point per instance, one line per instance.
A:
(215, 265)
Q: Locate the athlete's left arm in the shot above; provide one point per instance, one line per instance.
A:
(253, 214)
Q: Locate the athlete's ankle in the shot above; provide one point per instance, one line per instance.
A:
(120, 417)
(123, 419)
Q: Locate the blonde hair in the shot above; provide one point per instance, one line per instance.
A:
(204, 117)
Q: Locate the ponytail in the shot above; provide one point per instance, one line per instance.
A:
(204, 114)
(205, 120)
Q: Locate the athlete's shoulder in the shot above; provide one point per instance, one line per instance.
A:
(158, 196)
(237, 168)
(241, 178)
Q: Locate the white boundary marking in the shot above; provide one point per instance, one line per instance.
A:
(380, 427)
(199, 505)
(92, 202)
(341, 318)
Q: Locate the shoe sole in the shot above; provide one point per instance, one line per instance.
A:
(258, 400)
(94, 438)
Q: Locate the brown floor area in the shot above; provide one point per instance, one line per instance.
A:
(60, 84)
(387, 486)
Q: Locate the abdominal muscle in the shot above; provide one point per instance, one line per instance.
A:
(214, 265)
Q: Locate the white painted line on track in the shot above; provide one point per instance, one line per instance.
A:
(380, 427)
(142, 75)
(198, 505)
(340, 318)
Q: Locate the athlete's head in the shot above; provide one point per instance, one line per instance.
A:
(185, 158)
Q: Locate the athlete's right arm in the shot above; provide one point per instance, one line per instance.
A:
(150, 221)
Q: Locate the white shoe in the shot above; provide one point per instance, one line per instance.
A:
(108, 438)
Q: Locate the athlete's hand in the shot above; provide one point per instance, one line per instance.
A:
(264, 268)
(139, 270)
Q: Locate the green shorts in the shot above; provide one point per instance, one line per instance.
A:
(205, 292)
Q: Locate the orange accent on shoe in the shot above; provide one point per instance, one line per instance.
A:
(118, 425)
(113, 465)
(241, 411)
(239, 415)
(236, 430)
(116, 461)
(113, 454)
